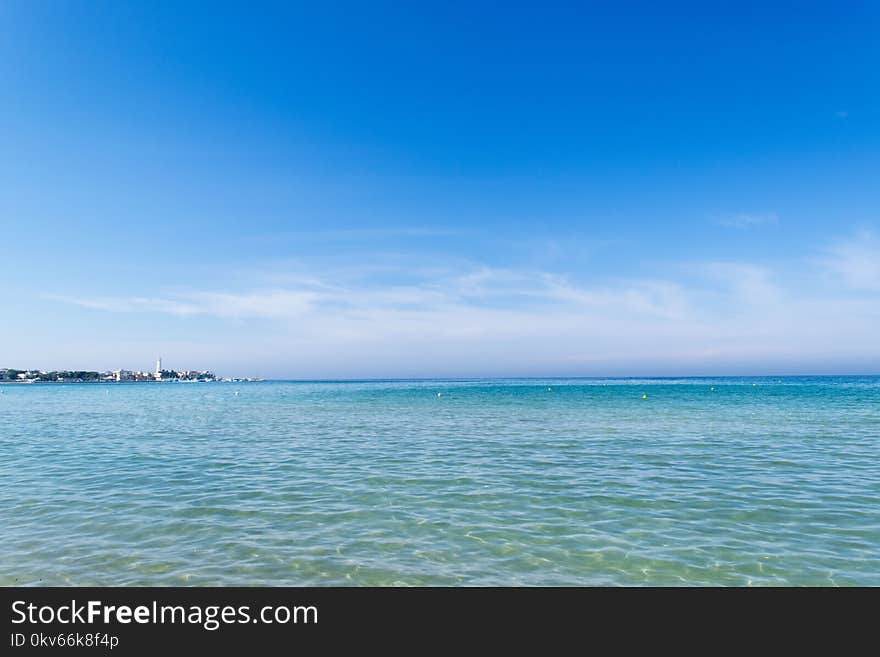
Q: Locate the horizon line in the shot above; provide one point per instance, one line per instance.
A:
(242, 379)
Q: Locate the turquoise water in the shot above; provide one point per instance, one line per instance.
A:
(757, 482)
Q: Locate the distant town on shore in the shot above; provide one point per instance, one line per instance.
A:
(10, 375)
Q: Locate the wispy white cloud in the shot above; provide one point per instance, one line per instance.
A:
(744, 283)
(386, 233)
(477, 319)
(747, 220)
(277, 303)
(487, 288)
(132, 304)
(856, 261)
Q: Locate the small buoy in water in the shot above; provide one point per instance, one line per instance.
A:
(549, 389)
(237, 393)
(644, 396)
(439, 394)
(712, 389)
(754, 384)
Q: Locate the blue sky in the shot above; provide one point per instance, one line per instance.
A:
(449, 189)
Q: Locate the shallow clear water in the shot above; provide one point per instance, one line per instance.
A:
(759, 481)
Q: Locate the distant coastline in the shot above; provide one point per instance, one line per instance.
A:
(160, 375)
(247, 379)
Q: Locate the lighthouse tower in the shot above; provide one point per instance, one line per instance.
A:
(158, 374)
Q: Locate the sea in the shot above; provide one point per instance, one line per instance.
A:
(520, 482)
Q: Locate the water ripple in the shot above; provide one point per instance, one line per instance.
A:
(757, 482)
